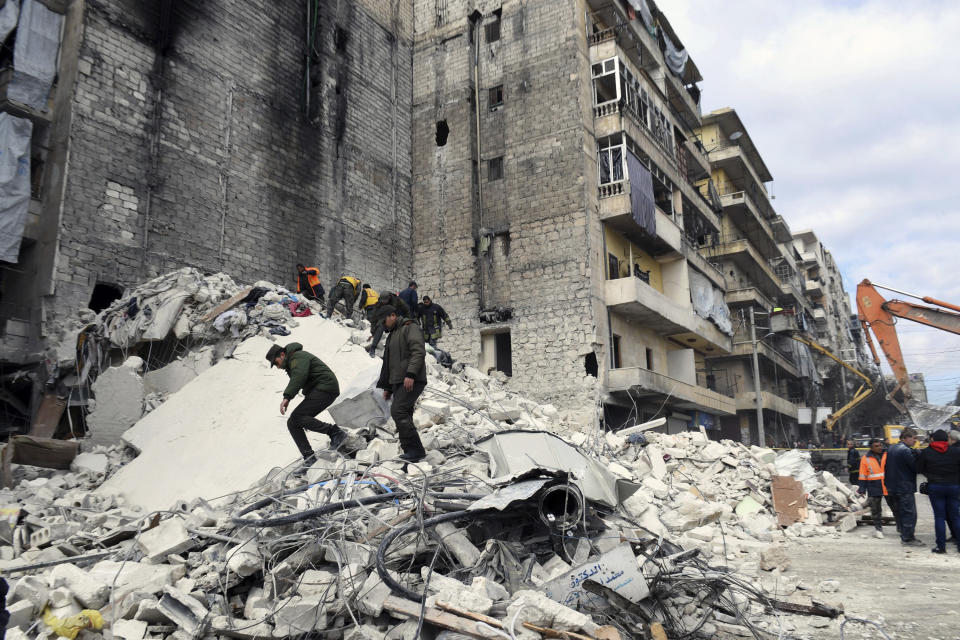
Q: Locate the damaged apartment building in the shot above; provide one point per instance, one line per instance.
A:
(541, 168)
(231, 136)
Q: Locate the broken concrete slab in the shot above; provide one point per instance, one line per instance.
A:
(183, 610)
(167, 538)
(177, 374)
(119, 393)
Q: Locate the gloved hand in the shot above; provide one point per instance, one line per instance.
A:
(449, 325)
(861, 492)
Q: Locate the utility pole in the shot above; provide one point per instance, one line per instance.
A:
(756, 380)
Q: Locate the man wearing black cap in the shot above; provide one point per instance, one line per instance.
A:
(403, 377)
(320, 388)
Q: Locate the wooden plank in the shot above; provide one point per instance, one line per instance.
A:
(48, 415)
(789, 500)
(479, 617)
(409, 609)
(226, 304)
(546, 632)
(43, 452)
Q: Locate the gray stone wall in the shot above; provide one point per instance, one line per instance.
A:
(201, 153)
(540, 259)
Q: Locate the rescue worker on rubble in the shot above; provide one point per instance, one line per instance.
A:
(403, 378)
(368, 302)
(347, 289)
(853, 462)
(320, 388)
(431, 315)
(409, 297)
(308, 283)
(871, 483)
(395, 302)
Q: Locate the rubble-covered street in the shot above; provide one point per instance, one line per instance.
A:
(521, 522)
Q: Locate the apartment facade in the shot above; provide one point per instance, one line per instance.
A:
(557, 216)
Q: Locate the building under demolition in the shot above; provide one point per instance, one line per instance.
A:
(542, 168)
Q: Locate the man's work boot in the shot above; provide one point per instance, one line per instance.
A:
(912, 542)
(337, 439)
(413, 456)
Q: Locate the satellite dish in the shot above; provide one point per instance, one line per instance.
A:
(736, 135)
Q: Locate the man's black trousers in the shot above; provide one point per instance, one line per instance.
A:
(302, 419)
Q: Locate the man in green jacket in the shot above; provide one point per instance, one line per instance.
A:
(403, 377)
(320, 388)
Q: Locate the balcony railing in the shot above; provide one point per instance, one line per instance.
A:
(603, 35)
(761, 204)
(611, 189)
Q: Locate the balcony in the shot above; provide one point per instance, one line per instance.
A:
(819, 315)
(749, 296)
(793, 293)
(682, 102)
(781, 230)
(615, 211)
(743, 253)
(768, 352)
(655, 311)
(813, 288)
(642, 383)
(808, 259)
(743, 212)
(747, 401)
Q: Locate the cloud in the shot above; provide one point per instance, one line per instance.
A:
(850, 106)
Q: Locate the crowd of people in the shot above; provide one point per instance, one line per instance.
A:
(409, 324)
(889, 473)
(349, 290)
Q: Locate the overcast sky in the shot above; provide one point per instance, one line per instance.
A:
(854, 107)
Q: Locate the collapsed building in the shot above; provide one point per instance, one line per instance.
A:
(521, 522)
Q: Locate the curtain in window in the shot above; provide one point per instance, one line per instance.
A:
(641, 195)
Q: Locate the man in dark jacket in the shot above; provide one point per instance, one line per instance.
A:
(308, 283)
(940, 463)
(320, 388)
(431, 315)
(403, 377)
(409, 296)
(901, 480)
(853, 462)
(870, 479)
(393, 301)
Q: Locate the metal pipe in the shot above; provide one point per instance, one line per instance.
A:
(476, 108)
(758, 398)
(561, 506)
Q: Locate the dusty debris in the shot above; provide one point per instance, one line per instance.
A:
(584, 535)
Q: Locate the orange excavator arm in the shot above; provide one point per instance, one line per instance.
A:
(877, 315)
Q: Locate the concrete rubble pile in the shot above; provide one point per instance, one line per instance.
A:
(520, 523)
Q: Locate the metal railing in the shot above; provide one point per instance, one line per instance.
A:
(761, 204)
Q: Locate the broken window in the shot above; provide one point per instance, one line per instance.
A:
(610, 158)
(442, 132)
(615, 352)
(492, 28)
(605, 86)
(495, 96)
(590, 364)
(495, 169)
(103, 296)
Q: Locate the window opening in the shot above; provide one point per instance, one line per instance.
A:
(494, 169)
(605, 85)
(503, 353)
(610, 159)
(617, 362)
(492, 28)
(442, 132)
(649, 353)
(590, 364)
(103, 296)
(495, 96)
